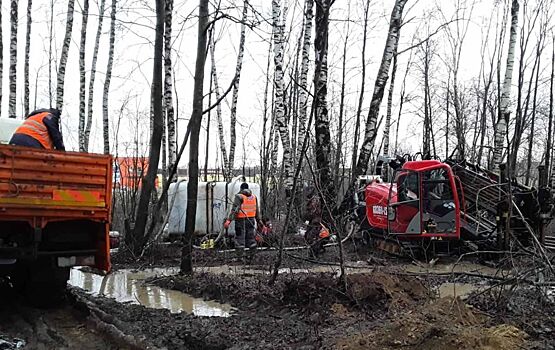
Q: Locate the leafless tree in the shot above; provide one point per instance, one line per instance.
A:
(13, 58)
(26, 92)
(106, 92)
(142, 214)
(64, 55)
(195, 123)
(379, 87)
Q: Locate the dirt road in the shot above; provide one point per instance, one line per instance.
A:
(64, 327)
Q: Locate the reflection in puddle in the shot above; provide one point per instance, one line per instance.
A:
(461, 290)
(11, 343)
(126, 286)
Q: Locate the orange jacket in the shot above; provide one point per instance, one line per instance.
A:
(34, 127)
(248, 207)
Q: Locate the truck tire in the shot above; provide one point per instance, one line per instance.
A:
(46, 285)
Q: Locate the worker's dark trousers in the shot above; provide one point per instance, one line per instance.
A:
(244, 233)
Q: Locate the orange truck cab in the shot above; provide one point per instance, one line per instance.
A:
(55, 210)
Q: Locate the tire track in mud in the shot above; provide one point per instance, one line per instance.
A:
(74, 324)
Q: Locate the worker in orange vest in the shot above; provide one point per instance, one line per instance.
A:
(41, 129)
(246, 213)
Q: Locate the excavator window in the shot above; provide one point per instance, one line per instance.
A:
(438, 205)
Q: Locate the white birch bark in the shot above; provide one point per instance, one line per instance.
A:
(63, 58)
(168, 85)
(303, 80)
(13, 58)
(379, 87)
(106, 92)
(1, 56)
(218, 107)
(235, 92)
(82, 77)
(503, 119)
(26, 92)
(279, 98)
(321, 117)
(387, 128)
(93, 74)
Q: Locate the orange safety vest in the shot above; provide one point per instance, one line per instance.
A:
(34, 127)
(248, 207)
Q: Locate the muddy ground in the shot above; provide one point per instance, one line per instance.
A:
(23, 326)
(384, 303)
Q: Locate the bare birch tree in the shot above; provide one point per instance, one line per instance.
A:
(1, 55)
(168, 86)
(93, 74)
(214, 78)
(106, 92)
(548, 146)
(13, 58)
(63, 57)
(322, 145)
(379, 87)
(235, 93)
(82, 76)
(503, 118)
(26, 92)
(279, 98)
(303, 79)
(361, 94)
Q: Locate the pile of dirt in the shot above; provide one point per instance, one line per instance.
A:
(364, 292)
(529, 308)
(442, 324)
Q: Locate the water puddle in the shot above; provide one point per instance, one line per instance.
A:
(461, 290)
(457, 268)
(11, 343)
(126, 286)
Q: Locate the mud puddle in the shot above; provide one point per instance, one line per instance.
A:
(461, 290)
(127, 286)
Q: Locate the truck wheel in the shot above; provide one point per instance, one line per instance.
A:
(46, 285)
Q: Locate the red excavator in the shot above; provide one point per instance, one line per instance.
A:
(446, 205)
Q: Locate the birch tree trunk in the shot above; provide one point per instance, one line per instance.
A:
(1, 56)
(341, 127)
(387, 132)
(218, 106)
(279, 100)
(503, 118)
(106, 92)
(156, 135)
(303, 79)
(361, 95)
(168, 84)
(63, 57)
(26, 92)
(93, 74)
(50, 57)
(195, 122)
(235, 92)
(550, 120)
(82, 77)
(13, 58)
(322, 145)
(533, 122)
(379, 87)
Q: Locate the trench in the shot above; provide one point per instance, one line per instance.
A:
(127, 286)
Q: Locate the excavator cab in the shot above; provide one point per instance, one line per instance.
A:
(424, 202)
